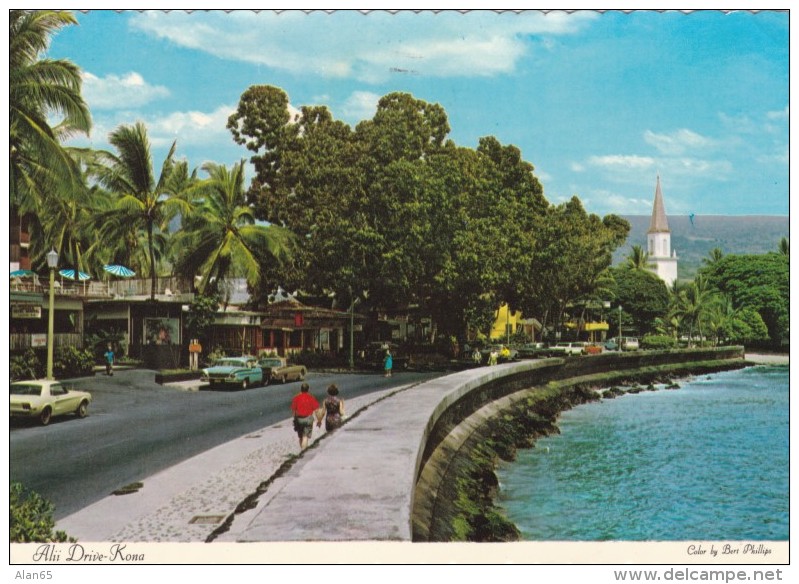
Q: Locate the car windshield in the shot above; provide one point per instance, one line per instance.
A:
(26, 389)
(270, 363)
(229, 363)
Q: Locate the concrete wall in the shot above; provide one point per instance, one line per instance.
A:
(497, 405)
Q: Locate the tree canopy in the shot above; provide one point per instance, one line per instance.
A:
(396, 214)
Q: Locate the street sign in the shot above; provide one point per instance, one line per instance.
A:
(39, 340)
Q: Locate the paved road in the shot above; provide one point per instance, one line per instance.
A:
(136, 428)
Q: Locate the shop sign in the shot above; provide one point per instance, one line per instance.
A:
(26, 311)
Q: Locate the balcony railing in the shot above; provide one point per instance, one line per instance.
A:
(165, 287)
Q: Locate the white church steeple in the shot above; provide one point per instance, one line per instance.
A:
(659, 241)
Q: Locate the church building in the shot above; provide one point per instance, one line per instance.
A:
(661, 256)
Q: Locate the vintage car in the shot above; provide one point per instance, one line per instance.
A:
(532, 351)
(45, 398)
(240, 372)
(277, 369)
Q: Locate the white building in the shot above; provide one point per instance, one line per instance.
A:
(661, 256)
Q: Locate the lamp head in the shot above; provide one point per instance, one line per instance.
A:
(52, 259)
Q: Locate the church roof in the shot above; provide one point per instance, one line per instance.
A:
(659, 223)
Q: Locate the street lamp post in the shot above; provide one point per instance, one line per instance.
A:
(52, 263)
(620, 325)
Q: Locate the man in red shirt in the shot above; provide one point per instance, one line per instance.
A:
(304, 405)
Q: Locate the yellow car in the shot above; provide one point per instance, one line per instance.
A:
(45, 398)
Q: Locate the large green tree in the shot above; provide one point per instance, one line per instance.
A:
(759, 282)
(643, 297)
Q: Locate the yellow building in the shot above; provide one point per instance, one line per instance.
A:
(509, 322)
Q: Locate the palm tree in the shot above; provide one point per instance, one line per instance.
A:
(713, 257)
(692, 304)
(221, 237)
(638, 259)
(143, 203)
(783, 248)
(38, 90)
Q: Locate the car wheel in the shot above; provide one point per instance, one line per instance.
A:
(83, 409)
(45, 416)
(245, 383)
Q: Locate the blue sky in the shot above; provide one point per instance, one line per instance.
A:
(599, 103)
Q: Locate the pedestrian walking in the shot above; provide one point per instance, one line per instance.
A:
(334, 409)
(304, 407)
(109, 361)
(388, 363)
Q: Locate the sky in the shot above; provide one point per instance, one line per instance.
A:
(600, 103)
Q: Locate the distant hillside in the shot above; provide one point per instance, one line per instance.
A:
(749, 234)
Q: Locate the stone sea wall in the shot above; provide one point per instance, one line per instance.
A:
(456, 483)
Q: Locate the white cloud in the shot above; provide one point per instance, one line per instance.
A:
(605, 201)
(451, 44)
(619, 161)
(190, 128)
(779, 115)
(360, 105)
(678, 142)
(113, 91)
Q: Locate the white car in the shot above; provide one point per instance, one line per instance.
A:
(569, 348)
(45, 398)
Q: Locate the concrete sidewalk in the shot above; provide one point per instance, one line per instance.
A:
(187, 502)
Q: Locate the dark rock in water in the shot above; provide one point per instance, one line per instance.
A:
(673, 386)
(651, 387)
(635, 390)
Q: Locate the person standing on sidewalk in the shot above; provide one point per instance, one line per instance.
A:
(304, 406)
(388, 363)
(109, 361)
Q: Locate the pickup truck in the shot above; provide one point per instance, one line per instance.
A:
(277, 369)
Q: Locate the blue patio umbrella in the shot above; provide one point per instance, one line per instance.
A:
(118, 270)
(70, 274)
(22, 273)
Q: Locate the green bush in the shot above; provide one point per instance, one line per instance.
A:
(31, 518)
(658, 342)
(72, 362)
(26, 366)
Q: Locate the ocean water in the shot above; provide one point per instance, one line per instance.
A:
(708, 461)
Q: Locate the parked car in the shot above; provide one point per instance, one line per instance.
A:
(278, 369)
(623, 343)
(532, 351)
(569, 348)
(45, 398)
(241, 372)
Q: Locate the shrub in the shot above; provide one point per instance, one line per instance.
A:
(658, 342)
(72, 362)
(31, 518)
(26, 366)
